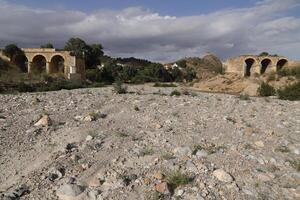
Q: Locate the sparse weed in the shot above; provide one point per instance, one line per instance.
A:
(176, 179)
(167, 156)
(121, 134)
(175, 93)
(282, 149)
(248, 146)
(119, 88)
(295, 164)
(146, 151)
(244, 97)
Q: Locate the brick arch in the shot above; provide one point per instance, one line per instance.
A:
(57, 64)
(39, 63)
(265, 64)
(281, 63)
(57, 54)
(249, 62)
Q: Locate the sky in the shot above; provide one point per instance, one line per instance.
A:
(158, 30)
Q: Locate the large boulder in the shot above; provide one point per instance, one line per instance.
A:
(212, 63)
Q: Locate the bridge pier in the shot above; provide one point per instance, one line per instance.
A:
(47, 67)
(29, 67)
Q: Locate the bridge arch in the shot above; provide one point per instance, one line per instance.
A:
(57, 64)
(39, 63)
(281, 63)
(265, 64)
(249, 62)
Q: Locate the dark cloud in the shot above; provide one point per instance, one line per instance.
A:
(142, 33)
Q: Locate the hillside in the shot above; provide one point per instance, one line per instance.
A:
(206, 67)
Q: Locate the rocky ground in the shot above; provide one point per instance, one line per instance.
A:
(94, 144)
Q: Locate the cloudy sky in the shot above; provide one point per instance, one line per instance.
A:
(159, 30)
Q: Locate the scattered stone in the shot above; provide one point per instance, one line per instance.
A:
(179, 193)
(44, 121)
(17, 193)
(89, 118)
(191, 167)
(56, 174)
(69, 191)
(158, 175)
(89, 138)
(223, 176)
(265, 177)
(259, 144)
(182, 151)
(201, 153)
(162, 188)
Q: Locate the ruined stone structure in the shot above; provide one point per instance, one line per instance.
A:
(248, 65)
(49, 61)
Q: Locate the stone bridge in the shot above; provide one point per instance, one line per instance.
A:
(248, 65)
(49, 61)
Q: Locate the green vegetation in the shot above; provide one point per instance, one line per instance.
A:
(47, 46)
(244, 97)
(119, 88)
(176, 179)
(272, 76)
(266, 90)
(12, 51)
(282, 149)
(175, 93)
(295, 164)
(146, 151)
(290, 92)
(295, 71)
(91, 53)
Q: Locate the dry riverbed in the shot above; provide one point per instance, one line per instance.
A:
(94, 144)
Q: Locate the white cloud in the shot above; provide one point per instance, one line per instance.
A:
(142, 33)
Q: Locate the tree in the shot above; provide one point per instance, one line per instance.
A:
(47, 46)
(181, 63)
(93, 55)
(264, 54)
(77, 46)
(12, 50)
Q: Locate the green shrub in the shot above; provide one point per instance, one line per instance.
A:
(272, 76)
(290, 92)
(244, 97)
(22, 87)
(175, 93)
(266, 90)
(295, 71)
(119, 88)
(176, 179)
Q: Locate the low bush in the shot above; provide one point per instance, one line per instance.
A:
(176, 179)
(244, 97)
(266, 90)
(175, 93)
(290, 92)
(295, 71)
(119, 88)
(272, 76)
